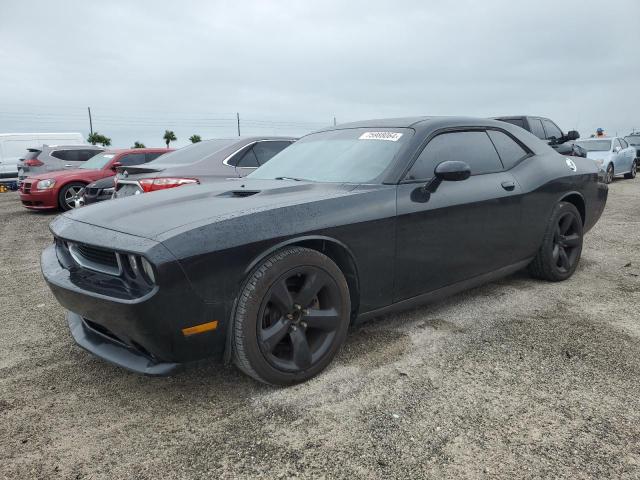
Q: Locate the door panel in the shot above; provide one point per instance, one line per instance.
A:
(465, 229)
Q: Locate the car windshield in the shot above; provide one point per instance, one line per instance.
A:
(98, 161)
(595, 145)
(355, 155)
(193, 153)
(633, 140)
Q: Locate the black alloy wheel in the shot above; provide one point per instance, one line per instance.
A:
(567, 241)
(299, 318)
(633, 172)
(291, 317)
(559, 254)
(609, 175)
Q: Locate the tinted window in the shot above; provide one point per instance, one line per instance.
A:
(248, 160)
(536, 128)
(66, 155)
(148, 157)
(474, 148)
(509, 150)
(266, 150)
(84, 155)
(551, 129)
(518, 122)
(132, 159)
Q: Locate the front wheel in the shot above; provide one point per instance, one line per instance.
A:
(70, 195)
(561, 247)
(632, 173)
(608, 178)
(291, 317)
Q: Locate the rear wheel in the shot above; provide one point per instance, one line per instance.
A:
(70, 195)
(291, 317)
(632, 173)
(561, 247)
(608, 178)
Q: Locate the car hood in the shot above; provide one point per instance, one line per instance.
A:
(153, 215)
(62, 174)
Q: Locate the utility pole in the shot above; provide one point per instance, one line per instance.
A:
(334, 121)
(238, 120)
(90, 122)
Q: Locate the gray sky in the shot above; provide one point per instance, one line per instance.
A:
(289, 67)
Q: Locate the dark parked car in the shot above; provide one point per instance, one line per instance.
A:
(348, 223)
(547, 130)
(104, 188)
(201, 162)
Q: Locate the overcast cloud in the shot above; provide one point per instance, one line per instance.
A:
(291, 66)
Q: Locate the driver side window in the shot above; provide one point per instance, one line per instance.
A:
(473, 147)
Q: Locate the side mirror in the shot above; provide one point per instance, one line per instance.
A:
(617, 149)
(452, 171)
(573, 135)
(115, 165)
(449, 171)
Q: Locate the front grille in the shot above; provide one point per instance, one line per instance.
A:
(26, 187)
(94, 258)
(98, 255)
(92, 191)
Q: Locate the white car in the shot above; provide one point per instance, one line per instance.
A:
(613, 155)
(13, 147)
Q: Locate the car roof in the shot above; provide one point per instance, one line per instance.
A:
(138, 150)
(595, 139)
(420, 123)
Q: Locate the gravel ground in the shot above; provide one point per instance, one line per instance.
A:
(516, 379)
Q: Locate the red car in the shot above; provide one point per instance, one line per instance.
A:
(63, 189)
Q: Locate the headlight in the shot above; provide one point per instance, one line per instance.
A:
(45, 184)
(148, 269)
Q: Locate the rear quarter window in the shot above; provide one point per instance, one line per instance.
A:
(510, 151)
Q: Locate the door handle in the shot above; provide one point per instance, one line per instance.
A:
(508, 185)
(68, 165)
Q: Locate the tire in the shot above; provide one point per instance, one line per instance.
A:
(632, 173)
(72, 189)
(608, 177)
(291, 317)
(559, 254)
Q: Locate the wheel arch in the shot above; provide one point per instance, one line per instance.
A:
(332, 248)
(577, 200)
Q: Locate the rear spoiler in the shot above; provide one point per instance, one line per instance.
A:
(134, 169)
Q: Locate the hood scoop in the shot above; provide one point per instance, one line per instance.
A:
(240, 193)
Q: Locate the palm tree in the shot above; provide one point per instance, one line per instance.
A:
(95, 138)
(138, 145)
(169, 136)
(195, 138)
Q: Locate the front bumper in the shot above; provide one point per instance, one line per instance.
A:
(103, 345)
(138, 330)
(40, 199)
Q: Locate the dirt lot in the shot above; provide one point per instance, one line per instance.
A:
(516, 379)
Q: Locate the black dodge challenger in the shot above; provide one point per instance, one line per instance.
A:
(350, 222)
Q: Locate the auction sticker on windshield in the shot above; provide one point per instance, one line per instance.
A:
(390, 136)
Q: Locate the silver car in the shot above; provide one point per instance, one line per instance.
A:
(613, 155)
(50, 158)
